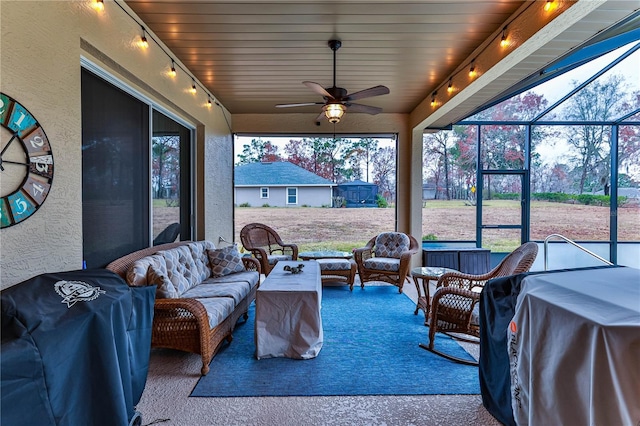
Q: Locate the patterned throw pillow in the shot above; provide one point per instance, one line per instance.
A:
(225, 261)
(164, 287)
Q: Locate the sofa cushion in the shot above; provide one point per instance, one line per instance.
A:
(391, 244)
(236, 290)
(164, 287)
(225, 261)
(200, 258)
(218, 309)
(249, 277)
(137, 275)
(180, 268)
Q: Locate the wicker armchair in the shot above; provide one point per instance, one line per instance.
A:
(266, 246)
(387, 258)
(454, 308)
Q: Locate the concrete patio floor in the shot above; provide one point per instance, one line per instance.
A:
(173, 374)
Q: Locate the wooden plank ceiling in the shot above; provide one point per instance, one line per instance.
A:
(255, 54)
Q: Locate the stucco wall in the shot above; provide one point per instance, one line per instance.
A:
(42, 45)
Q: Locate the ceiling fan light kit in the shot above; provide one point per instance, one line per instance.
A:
(334, 112)
(336, 99)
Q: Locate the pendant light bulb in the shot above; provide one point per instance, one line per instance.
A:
(549, 6)
(99, 5)
(143, 39)
(172, 71)
(504, 42)
(193, 88)
(472, 70)
(450, 86)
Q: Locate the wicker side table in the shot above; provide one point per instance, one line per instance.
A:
(426, 274)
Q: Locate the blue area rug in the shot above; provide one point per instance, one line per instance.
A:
(370, 348)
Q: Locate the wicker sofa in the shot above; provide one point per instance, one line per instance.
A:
(197, 306)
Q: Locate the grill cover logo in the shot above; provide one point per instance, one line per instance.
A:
(76, 291)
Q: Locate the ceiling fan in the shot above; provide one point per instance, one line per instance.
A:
(336, 99)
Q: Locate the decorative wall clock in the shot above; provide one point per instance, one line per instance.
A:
(26, 163)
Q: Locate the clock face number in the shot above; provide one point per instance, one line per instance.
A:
(26, 163)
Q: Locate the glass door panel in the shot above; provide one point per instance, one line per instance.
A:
(169, 174)
(502, 211)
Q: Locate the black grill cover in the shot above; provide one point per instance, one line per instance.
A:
(75, 355)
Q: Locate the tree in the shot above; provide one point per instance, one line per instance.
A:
(384, 171)
(629, 140)
(258, 151)
(362, 151)
(600, 101)
(331, 158)
(165, 164)
(437, 147)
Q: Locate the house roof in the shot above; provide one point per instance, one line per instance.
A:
(280, 173)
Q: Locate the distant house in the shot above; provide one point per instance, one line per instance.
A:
(429, 191)
(280, 184)
(358, 193)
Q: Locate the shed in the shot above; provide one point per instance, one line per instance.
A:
(358, 193)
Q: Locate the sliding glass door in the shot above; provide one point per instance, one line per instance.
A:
(136, 174)
(115, 172)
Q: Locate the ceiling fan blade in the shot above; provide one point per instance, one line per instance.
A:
(299, 105)
(367, 109)
(318, 89)
(367, 93)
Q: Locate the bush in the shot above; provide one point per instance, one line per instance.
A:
(382, 202)
(245, 205)
(555, 197)
(506, 196)
(266, 205)
(586, 199)
(594, 200)
(429, 237)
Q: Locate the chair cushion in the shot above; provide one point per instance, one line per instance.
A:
(274, 258)
(386, 264)
(391, 244)
(225, 261)
(334, 264)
